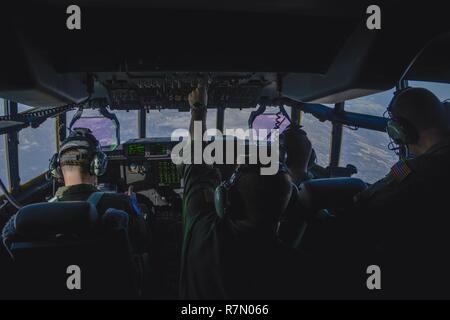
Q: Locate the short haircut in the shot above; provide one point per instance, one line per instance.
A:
(421, 108)
(67, 164)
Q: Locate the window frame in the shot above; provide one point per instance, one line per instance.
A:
(339, 117)
(336, 117)
(56, 142)
(12, 149)
(12, 169)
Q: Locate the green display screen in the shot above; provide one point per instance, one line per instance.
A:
(168, 174)
(136, 150)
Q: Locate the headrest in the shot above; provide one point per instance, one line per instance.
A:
(330, 193)
(47, 219)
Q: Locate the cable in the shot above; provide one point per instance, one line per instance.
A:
(278, 123)
(9, 197)
(353, 128)
(392, 146)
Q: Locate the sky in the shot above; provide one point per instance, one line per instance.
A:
(365, 149)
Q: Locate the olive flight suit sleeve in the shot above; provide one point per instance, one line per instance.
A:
(200, 182)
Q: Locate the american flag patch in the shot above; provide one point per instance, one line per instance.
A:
(400, 171)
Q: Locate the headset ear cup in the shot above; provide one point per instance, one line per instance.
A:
(59, 174)
(54, 167)
(395, 132)
(401, 131)
(220, 200)
(99, 164)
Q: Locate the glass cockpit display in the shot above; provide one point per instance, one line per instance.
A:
(167, 173)
(149, 160)
(136, 150)
(145, 148)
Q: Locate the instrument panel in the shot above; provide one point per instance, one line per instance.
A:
(156, 90)
(143, 149)
(146, 161)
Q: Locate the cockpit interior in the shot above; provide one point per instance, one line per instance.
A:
(266, 65)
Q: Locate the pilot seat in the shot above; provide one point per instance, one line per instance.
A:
(65, 250)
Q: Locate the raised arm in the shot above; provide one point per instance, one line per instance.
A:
(198, 100)
(200, 180)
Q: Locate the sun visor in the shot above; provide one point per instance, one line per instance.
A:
(347, 78)
(30, 79)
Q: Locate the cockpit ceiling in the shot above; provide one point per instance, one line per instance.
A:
(433, 63)
(312, 50)
(133, 39)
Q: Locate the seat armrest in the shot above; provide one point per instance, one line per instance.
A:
(333, 193)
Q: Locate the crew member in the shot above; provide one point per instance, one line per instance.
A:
(403, 217)
(79, 162)
(230, 249)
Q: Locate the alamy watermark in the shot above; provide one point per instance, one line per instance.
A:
(263, 147)
(73, 281)
(374, 280)
(373, 21)
(73, 21)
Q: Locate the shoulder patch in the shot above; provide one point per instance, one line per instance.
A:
(400, 171)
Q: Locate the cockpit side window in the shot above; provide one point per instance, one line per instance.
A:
(320, 135)
(374, 105)
(2, 107)
(441, 90)
(368, 149)
(3, 174)
(36, 147)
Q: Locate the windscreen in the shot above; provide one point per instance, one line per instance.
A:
(269, 122)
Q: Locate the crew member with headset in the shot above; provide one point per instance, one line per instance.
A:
(79, 162)
(230, 246)
(403, 217)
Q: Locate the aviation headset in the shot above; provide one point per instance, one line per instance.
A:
(399, 129)
(80, 139)
(223, 193)
(284, 158)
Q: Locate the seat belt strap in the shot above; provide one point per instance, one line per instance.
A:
(95, 198)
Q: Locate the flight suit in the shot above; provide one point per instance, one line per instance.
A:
(223, 258)
(402, 223)
(137, 227)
